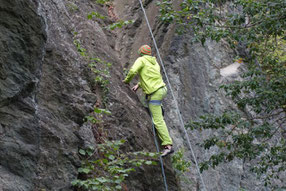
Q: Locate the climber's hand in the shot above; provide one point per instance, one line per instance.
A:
(135, 88)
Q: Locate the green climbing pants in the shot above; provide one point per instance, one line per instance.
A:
(157, 115)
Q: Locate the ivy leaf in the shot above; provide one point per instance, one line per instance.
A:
(102, 180)
(75, 182)
(118, 187)
(82, 152)
(84, 170)
(111, 157)
(148, 162)
(97, 110)
(152, 154)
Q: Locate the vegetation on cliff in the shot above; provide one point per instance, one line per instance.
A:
(256, 31)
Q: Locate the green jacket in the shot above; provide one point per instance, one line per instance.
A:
(149, 72)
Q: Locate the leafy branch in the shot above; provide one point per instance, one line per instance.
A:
(95, 15)
(259, 28)
(107, 167)
(119, 24)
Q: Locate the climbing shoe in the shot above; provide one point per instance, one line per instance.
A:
(167, 150)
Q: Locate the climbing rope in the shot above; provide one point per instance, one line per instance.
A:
(176, 103)
(158, 150)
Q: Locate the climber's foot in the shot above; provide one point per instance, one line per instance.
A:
(167, 150)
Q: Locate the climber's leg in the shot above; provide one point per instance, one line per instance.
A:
(156, 111)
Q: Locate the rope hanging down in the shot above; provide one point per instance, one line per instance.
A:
(176, 103)
(161, 160)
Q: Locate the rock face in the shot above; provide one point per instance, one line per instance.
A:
(46, 89)
(195, 73)
(22, 37)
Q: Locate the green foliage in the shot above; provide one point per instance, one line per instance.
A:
(101, 69)
(239, 137)
(72, 6)
(179, 163)
(119, 24)
(113, 26)
(257, 27)
(98, 66)
(102, 2)
(245, 21)
(95, 15)
(107, 167)
(80, 49)
(99, 112)
(167, 12)
(104, 111)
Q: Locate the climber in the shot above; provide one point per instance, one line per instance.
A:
(155, 89)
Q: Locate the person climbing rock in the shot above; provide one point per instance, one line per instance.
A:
(153, 86)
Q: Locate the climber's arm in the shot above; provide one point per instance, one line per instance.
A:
(134, 70)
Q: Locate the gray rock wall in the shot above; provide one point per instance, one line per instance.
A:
(195, 73)
(22, 38)
(46, 89)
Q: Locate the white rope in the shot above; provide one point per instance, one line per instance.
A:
(176, 103)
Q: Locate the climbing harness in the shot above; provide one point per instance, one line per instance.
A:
(176, 105)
